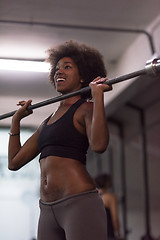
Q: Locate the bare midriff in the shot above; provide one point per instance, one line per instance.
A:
(62, 177)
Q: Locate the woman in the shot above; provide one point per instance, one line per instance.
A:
(71, 208)
(103, 182)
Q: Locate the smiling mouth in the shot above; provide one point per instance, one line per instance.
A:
(60, 79)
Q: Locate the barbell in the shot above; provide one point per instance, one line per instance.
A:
(152, 68)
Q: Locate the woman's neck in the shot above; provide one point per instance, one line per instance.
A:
(69, 101)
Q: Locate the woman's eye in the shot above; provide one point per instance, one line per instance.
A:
(67, 67)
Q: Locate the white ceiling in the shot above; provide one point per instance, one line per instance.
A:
(29, 28)
(25, 33)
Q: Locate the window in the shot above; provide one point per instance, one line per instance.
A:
(19, 194)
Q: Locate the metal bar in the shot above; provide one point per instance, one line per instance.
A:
(153, 67)
(88, 28)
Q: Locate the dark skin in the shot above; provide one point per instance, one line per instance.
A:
(61, 177)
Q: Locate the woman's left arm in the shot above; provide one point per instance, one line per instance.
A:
(96, 122)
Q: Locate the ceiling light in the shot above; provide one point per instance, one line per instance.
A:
(23, 65)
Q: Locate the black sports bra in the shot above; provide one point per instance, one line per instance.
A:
(62, 139)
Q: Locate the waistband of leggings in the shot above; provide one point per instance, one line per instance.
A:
(69, 197)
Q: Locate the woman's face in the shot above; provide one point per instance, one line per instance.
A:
(67, 77)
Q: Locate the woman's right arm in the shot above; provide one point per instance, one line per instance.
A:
(19, 155)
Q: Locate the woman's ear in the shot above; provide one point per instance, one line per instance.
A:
(81, 81)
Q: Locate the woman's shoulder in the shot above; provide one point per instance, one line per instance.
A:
(87, 105)
(109, 197)
(84, 111)
(107, 200)
(86, 108)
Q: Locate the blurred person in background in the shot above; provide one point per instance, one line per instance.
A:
(103, 183)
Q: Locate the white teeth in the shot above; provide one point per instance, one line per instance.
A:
(60, 79)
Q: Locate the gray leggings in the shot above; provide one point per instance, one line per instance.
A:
(77, 217)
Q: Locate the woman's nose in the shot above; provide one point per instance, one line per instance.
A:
(59, 71)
